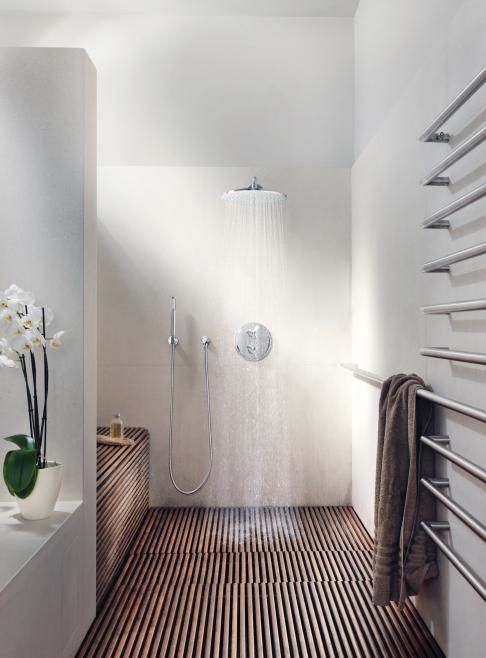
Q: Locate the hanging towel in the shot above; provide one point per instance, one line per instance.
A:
(403, 554)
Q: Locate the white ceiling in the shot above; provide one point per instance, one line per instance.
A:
(185, 7)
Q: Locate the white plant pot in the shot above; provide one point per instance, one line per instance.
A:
(41, 502)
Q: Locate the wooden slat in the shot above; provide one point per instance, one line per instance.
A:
(256, 583)
(122, 500)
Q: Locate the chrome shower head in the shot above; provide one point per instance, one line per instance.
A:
(254, 191)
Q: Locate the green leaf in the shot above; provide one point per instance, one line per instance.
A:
(23, 441)
(20, 471)
(11, 490)
(29, 488)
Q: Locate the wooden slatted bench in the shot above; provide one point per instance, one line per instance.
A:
(122, 502)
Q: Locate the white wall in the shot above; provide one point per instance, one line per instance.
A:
(48, 191)
(411, 59)
(188, 108)
(219, 91)
(164, 233)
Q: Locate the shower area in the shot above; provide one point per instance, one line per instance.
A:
(262, 276)
(250, 546)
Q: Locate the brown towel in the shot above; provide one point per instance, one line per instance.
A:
(403, 555)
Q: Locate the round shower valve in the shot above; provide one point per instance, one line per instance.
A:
(253, 341)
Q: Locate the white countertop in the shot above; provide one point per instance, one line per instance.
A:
(20, 540)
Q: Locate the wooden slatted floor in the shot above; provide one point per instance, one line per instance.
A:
(236, 583)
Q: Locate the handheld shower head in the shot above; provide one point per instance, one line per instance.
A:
(172, 338)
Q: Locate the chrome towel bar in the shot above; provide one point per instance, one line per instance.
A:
(454, 355)
(438, 219)
(434, 485)
(473, 523)
(440, 445)
(448, 403)
(459, 152)
(455, 307)
(464, 569)
(443, 264)
(430, 134)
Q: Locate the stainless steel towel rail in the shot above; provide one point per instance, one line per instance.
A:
(434, 485)
(454, 355)
(440, 445)
(465, 147)
(454, 558)
(448, 403)
(455, 307)
(438, 219)
(430, 134)
(443, 264)
(461, 513)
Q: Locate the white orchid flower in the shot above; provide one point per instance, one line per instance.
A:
(17, 295)
(15, 328)
(7, 355)
(4, 346)
(7, 316)
(22, 343)
(48, 315)
(6, 362)
(55, 341)
(36, 338)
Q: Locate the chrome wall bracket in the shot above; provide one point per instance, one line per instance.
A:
(441, 137)
(439, 181)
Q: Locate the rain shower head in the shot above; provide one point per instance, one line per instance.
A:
(255, 192)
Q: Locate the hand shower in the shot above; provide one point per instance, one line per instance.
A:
(173, 342)
(172, 338)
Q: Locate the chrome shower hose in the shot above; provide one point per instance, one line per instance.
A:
(205, 342)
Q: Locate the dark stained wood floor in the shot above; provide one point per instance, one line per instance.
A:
(242, 582)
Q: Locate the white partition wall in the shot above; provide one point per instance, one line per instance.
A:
(48, 238)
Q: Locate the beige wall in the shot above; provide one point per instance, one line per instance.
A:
(411, 59)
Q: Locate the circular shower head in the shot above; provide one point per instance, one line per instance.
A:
(253, 192)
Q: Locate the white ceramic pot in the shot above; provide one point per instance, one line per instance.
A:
(41, 502)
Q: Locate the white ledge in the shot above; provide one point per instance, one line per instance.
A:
(20, 540)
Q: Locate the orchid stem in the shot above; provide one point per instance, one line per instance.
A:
(46, 392)
(36, 405)
(29, 395)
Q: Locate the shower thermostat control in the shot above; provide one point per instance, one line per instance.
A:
(253, 341)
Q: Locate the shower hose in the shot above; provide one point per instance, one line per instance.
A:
(205, 343)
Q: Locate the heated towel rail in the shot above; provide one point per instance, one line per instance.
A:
(435, 485)
(443, 264)
(454, 405)
(438, 219)
(465, 147)
(462, 149)
(455, 307)
(430, 134)
(454, 355)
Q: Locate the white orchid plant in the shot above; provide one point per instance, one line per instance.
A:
(24, 343)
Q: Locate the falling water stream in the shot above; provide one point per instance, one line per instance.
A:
(255, 392)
